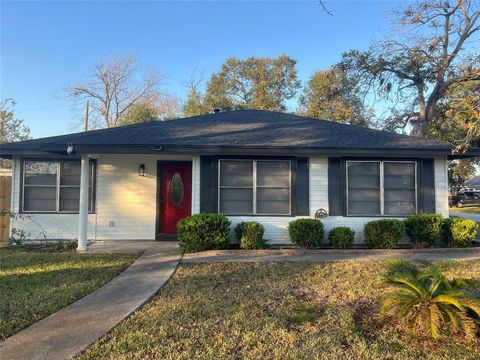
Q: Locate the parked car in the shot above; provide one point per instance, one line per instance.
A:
(465, 198)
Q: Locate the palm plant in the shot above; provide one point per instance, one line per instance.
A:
(430, 303)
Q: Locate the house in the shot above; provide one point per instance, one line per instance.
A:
(137, 181)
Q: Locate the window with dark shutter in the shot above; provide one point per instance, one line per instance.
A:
(381, 188)
(255, 187)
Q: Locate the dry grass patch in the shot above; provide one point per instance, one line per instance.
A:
(274, 311)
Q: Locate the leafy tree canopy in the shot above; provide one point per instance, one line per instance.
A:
(11, 128)
(254, 83)
(331, 95)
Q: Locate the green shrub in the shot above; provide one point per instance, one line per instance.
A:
(307, 233)
(424, 229)
(459, 231)
(383, 234)
(341, 237)
(203, 232)
(250, 235)
(65, 245)
(423, 298)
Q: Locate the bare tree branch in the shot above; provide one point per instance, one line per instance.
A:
(113, 88)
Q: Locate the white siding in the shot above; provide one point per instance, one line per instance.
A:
(441, 185)
(40, 226)
(276, 226)
(126, 203)
(125, 206)
(196, 185)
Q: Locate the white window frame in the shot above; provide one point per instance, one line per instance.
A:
(58, 186)
(255, 186)
(382, 188)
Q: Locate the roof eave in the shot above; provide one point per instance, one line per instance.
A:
(60, 150)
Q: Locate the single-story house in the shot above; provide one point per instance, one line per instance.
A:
(137, 181)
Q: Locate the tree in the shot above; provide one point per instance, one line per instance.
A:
(164, 108)
(457, 119)
(139, 113)
(11, 128)
(254, 83)
(426, 56)
(194, 106)
(458, 172)
(113, 88)
(330, 95)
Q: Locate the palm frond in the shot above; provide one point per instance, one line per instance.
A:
(451, 299)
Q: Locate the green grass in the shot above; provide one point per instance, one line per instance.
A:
(274, 311)
(467, 209)
(34, 285)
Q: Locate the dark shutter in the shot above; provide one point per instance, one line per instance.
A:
(426, 187)
(335, 200)
(301, 190)
(208, 184)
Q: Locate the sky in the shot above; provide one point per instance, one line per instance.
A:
(46, 45)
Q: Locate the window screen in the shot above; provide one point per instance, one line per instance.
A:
(363, 188)
(54, 186)
(273, 187)
(381, 188)
(254, 187)
(236, 187)
(399, 188)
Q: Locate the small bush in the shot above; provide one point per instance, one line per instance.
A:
(383, 234)
(458, 232)
(250, 235)
(203, 232)
(341, 237)
(424, 229)
(307, 233)
(65, 245)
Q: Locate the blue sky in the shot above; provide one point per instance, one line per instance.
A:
(46, 45)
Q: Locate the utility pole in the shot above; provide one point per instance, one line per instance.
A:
(86, 115)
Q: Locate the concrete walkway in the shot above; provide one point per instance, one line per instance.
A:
(330, 255)
(67, 332)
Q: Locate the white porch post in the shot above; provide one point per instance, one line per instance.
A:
(83, 206)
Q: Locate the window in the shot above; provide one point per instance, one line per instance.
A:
(50, 186)
(254, 187)
(381, 188)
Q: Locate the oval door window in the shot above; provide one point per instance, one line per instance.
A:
(176, 189)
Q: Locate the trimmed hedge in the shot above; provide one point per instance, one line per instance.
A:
(383, 234)
(307, 233)
(341, 237)
(250, 235)
(203, 232)
(458, 231)
(424, 229)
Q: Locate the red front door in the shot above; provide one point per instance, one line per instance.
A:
(175, 194)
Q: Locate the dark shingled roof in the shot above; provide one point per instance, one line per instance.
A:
(234, 130)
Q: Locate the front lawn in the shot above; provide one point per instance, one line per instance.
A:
(34, 285)
(274, 310)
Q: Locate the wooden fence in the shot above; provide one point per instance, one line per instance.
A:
(5, 198)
